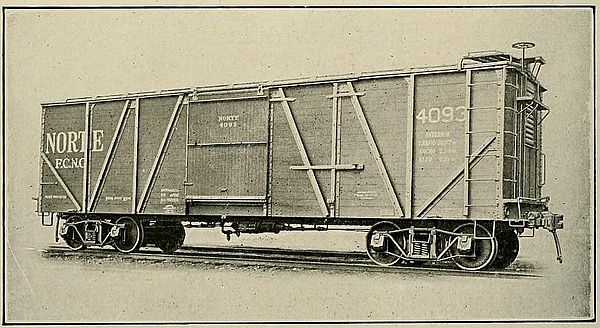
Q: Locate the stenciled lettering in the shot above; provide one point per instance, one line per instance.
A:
(73, 136)
(229, 118)
(228, 121)
(442, 115)
(73, 142)
(97, 140)
(61, 142)
(69, 163)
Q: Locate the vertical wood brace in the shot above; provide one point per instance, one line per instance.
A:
(61, 182)
(136, 136)
(501, 127)
(467, 173)
(311, 174)
(517, 139)
(269, 204)
(187, 142)
(338, 151)
(522, 164)
(109, 158)
(86, 155)
(410, 139)
(538, 144)
(41, 173)
(160, 155)
(334, 151)
(374, 150)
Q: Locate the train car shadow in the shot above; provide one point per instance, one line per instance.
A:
(281, 259)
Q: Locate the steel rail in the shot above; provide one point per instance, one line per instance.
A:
(275, 257)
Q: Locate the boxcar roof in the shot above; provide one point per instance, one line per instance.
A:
(290, 82)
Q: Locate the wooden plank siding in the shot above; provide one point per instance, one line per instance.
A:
(227, 148)
(60, 122)
(167, 194)
(153, 122)
(115, 193)
(291, 191)
(438, 145)
(385, 147)
(362, 192)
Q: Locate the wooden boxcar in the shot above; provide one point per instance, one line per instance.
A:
(442, 162)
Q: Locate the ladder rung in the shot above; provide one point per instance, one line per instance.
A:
(485, 155)
(483, 107)
(525, 98)
(483, 180)
(483, 131)
(485, 83)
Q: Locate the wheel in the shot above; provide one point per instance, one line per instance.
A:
(130, 237)
(73, 236)
(508, 249)
(473, 253)
(381, 247)
(169, 238)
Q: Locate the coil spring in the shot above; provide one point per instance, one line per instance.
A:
(420, 248)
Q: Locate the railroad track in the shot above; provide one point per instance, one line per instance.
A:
(277, 258)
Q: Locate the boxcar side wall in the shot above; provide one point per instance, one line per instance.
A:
(411, 146)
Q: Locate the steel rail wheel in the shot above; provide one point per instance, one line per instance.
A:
(381, 248)
(480, 249)
(170, 238)
(130, 237)
(73, 237)
(508, 249)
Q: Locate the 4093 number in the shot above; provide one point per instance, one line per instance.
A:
(444, 115)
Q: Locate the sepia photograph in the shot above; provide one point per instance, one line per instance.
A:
(279, 165)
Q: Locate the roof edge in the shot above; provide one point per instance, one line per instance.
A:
(283, 82)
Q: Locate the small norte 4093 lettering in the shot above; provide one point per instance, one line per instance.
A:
(228, 121)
